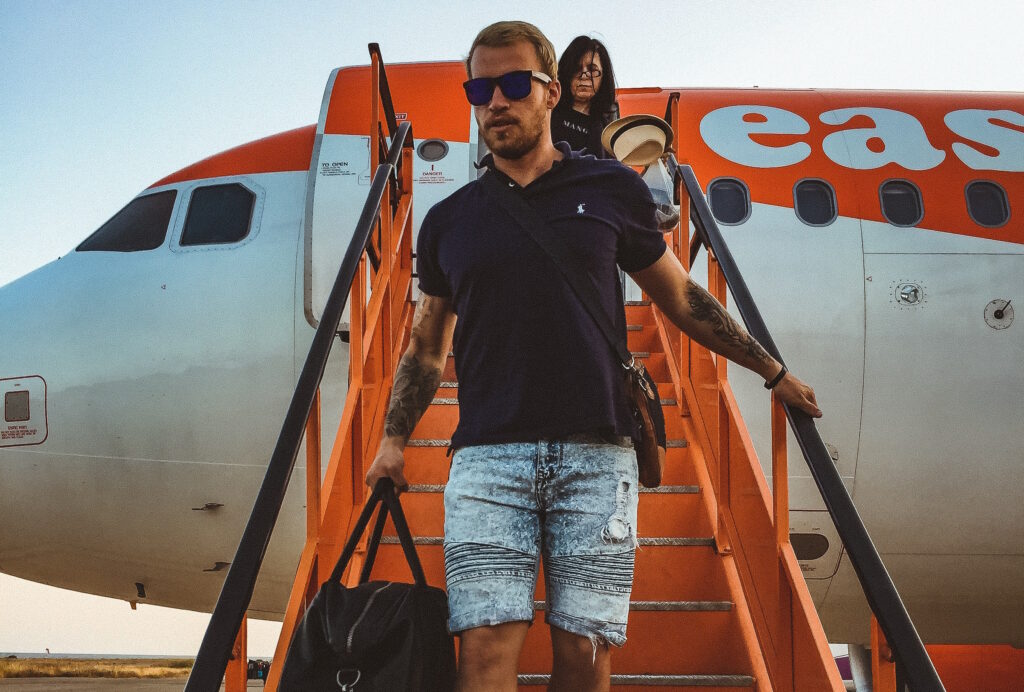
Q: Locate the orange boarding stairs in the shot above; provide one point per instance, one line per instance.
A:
(718, 603)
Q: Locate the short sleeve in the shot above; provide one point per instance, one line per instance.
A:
(432, 280)
(641, 244)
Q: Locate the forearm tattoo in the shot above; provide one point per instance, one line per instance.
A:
(415, 384)
(732, 337)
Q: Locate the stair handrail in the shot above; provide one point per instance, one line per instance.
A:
(881, 594)
(240, 582)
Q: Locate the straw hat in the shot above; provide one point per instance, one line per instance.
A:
(637, 140)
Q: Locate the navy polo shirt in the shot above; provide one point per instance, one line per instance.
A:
(530, 360)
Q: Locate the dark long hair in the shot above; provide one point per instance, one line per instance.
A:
(603, 103)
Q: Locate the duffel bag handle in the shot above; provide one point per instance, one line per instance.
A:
(384, 490)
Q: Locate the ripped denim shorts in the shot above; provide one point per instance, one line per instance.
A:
(569, 502)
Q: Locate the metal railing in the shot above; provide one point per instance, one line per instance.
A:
(389, 181)
(912, 659)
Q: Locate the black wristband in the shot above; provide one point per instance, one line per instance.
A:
(775, 380)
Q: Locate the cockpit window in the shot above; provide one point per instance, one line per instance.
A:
(218, 214)
(142, 225)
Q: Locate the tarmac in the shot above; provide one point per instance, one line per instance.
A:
(101, 684)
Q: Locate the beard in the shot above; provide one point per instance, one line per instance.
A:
(516, 141)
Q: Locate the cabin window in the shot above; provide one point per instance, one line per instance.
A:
(729, 200)
(16, 406)
(901, 203)
(432, 149)
(141, 225)
(218, 214)
(814, 202)
(987, 203)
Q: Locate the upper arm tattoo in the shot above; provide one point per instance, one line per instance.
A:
(708, 310)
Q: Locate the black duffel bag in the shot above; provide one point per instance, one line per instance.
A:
(378, 635)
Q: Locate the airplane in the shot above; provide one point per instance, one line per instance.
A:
(145, 373)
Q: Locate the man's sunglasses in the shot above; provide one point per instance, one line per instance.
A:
(515, 85)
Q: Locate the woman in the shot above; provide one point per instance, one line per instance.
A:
(588, 96)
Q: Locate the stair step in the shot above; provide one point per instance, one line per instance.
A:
(660, 643)
(683, 541)
(663, 573)
(414, 442)
(453, 401)
(428, 458)
(636, 354)
(670, 514)
(669, 606)
(629, 303)
(662, 490)
(654, 360)
(452, 384)
(669, 541)
(672, 489)
(536, 680)
(438, 422)
(632, 303)
(428, 443)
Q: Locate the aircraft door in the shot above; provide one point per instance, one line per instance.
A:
(339, 179)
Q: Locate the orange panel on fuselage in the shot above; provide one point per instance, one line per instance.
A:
(286, 151)
(942, 186)
(429, 95)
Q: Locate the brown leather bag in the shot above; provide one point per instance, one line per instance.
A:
(651, 444)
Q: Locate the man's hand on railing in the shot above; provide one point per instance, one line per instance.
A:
(389, 463)
(795, 393)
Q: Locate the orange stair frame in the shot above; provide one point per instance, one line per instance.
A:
(380, 312)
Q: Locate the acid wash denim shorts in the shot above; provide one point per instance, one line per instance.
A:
(571, 502)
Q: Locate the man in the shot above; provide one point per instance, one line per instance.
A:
(543, 465)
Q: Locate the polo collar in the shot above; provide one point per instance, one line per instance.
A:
(563, 147)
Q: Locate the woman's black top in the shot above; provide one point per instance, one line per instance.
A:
(580, 130)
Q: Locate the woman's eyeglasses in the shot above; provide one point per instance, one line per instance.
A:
(514, 85)
(588, 74)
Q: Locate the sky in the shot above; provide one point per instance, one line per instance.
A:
(100, 99)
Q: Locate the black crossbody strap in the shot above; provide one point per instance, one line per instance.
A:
(582, 285)
(384, 490)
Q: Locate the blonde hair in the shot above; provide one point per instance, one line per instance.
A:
(502, 34)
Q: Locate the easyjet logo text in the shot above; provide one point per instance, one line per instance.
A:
(896, 137)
